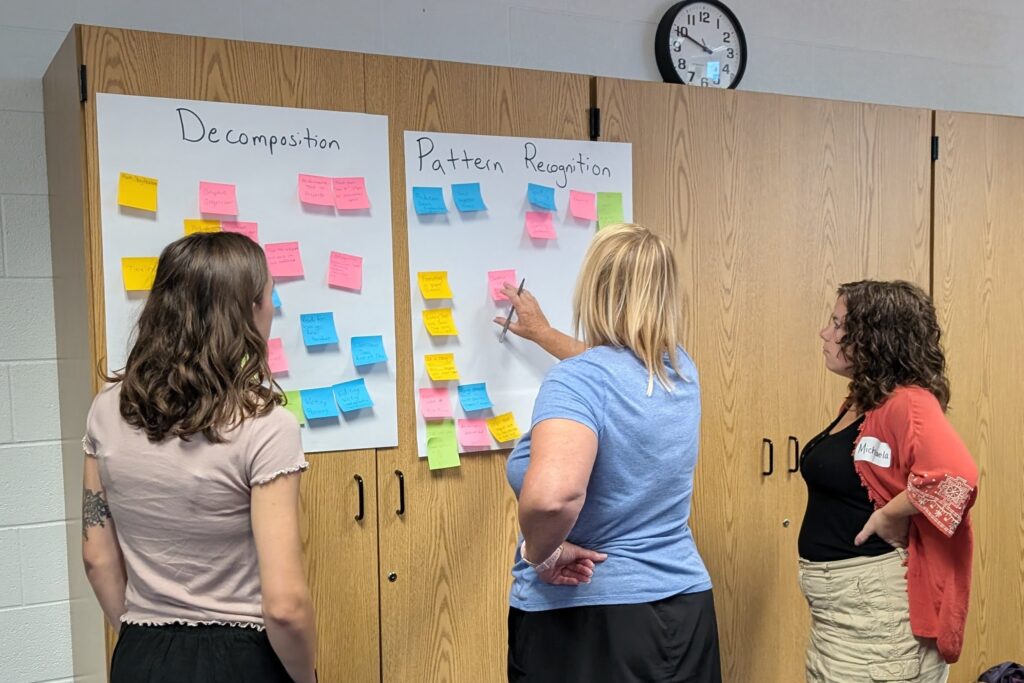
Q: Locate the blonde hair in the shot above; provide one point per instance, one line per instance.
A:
(627, 296)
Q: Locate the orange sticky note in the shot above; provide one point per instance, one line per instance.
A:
(284, 259)
(439, 322)
(540, 225)
(350, 194)
(217, 198)
(434, 284)
(317, 190)
(473, 434)
(496, 280)
(138, 272)
(193, 225)
(250, 230)
(276, 358)
(583, 205)
(441, 366)
(346, 271)
(435, 404)
(137, 192)
(503, 427)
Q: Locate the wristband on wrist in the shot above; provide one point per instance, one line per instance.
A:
(544, 566)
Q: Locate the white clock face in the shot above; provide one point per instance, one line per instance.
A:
(705, 46)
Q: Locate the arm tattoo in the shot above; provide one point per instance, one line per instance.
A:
(94, 510)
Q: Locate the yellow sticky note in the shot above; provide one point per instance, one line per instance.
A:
(442, 448)
(199, 225)
(294, 406)
(138, 272)
(441, 366)
(503, 427)
(137, 192)
(434, 284)
(439, 322)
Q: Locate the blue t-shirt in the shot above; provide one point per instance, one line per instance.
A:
(638, 499)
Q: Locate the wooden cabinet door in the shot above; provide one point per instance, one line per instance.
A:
(979, 293)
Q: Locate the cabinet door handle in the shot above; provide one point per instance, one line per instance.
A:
(796, 454)
(401, 492)
(359, 484)
(771, 457)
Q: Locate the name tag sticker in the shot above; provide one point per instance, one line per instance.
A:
(870, 449)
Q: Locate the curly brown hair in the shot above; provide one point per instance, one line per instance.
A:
(891, 339)
(199, 364)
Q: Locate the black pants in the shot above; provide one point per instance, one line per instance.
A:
(675, 639)
(196, 654)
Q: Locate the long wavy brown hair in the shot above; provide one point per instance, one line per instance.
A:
(892, 338)
(199, 363)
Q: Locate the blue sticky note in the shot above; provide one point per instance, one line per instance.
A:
(713, 72)
(318, 403)
(467, 197)
(474, 397)
(541, 196)
(353, 395)
(276, 299)
(367, 350)
(428, 200)
(318, 329)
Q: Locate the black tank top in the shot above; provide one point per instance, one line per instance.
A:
(838, 506)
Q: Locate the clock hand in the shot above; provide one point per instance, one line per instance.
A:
(701, 45)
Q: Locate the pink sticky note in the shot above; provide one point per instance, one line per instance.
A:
(540, 225)
(346, 271)
(316, 189)
(248, 229)
(473, 434)
(435, 404)
(350, 194)
(284, 259)
(583, 205)
(275, 356)
(496, 280)
(217, 198)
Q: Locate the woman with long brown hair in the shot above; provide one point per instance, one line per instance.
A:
(885, 545)
(190, 532)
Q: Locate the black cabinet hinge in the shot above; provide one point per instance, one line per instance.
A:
(935, 148)
(595, 123)
(83, 85)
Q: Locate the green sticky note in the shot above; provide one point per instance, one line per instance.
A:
(442, 446)
(294, 406)
(609, 209)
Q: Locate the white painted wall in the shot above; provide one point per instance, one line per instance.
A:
(945, 54)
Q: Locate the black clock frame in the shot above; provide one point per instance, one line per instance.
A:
(663, 52)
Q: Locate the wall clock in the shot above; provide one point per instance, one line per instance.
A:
(700, 42)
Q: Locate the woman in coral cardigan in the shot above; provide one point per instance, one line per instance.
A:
(886, 545)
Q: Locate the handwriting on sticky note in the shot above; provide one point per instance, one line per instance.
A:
(138, 272)
(194, 225)
(293, 404)
(434, 284)
(435, 404)
(316, 190)
(441, 366)
(428, 200)
(318, 328)
(276, 357)
(345, 271)
(439, 322)
(352, 395)
(504, 428)
(247, 228)
(275, 298)
(368, 350)
(284, 259)
(318, 403)
(473, 434)
(541, 196)
(474, 397)
(350, 194)
(467, 197)
(609, 209)
(583, 205)
(137, 192)
(496, 281)
(540, 225)
(442, 447)
(219, 198)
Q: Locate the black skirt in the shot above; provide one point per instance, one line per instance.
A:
(197, 654)
(675, 639)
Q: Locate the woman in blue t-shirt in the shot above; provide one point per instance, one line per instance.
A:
(608, 584)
